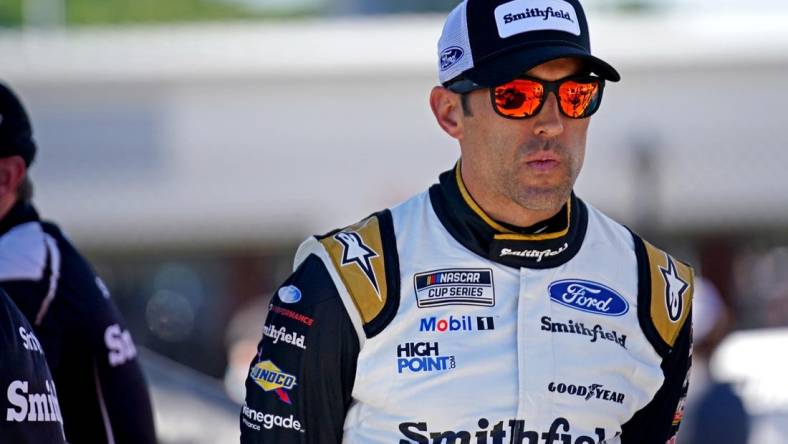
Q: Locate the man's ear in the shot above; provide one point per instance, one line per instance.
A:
(12, 172)
(447, 108)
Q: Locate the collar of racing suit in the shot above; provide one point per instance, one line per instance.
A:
(20, 213)
(557, 241)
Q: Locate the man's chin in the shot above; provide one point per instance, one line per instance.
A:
(543, 198)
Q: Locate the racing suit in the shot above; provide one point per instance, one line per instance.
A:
(30, 413)
(431, 322)
(103, 395)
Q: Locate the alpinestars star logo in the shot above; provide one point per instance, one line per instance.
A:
(356, 252)
(674, 290)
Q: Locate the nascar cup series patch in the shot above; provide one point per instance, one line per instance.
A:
(455, 286)
(271, 378)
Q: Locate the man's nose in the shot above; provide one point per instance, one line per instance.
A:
(549, 120)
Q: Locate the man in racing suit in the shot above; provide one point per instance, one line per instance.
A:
(496, 307)
(102, 392)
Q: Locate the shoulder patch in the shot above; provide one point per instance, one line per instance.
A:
(666, 287)
(365, 257)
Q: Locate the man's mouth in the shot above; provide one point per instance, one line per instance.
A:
(543, 164)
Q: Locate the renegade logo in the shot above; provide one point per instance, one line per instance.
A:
(268, 376)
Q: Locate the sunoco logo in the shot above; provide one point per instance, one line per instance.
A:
(592, 391)
(268, 376)
(416, 357)
(511, 431)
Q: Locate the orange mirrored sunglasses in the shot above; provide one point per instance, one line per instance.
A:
(578, 96)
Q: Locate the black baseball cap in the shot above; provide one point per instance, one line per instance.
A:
(16, 134)
(493, 41)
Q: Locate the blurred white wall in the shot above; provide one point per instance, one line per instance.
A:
(261, 133)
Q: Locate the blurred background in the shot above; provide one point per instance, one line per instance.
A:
(188, 146)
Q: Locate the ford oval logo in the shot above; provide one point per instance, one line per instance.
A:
(289, 294)
(450, 56)
(588, 296)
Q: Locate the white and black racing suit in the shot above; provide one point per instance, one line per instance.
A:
(430, 323)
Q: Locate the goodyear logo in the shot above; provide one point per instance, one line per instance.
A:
(271, 378)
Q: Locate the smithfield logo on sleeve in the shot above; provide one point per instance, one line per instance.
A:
(522, 16)
(289, 294)
(450, 56)
(591, 297)
(271, 378)
(281, 333)
(417, 357)
(30, 341)
(120, 346)
(457, 286)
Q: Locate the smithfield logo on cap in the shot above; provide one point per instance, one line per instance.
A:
(450, 56)
(591, 297)
(522, 16)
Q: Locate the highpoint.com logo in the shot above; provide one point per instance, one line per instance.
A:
(418, 357)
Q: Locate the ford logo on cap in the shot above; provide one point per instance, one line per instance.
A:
(289, 294)
(450, 56)
(591, 297)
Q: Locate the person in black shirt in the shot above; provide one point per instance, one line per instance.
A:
(32, 413)
(102, 392)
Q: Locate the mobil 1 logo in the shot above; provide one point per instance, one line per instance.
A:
(455, 286)
(456, 323)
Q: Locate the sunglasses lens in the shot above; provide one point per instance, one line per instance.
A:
(518, 98)
(579, 99)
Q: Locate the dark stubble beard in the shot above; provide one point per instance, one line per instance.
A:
(540, 197)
